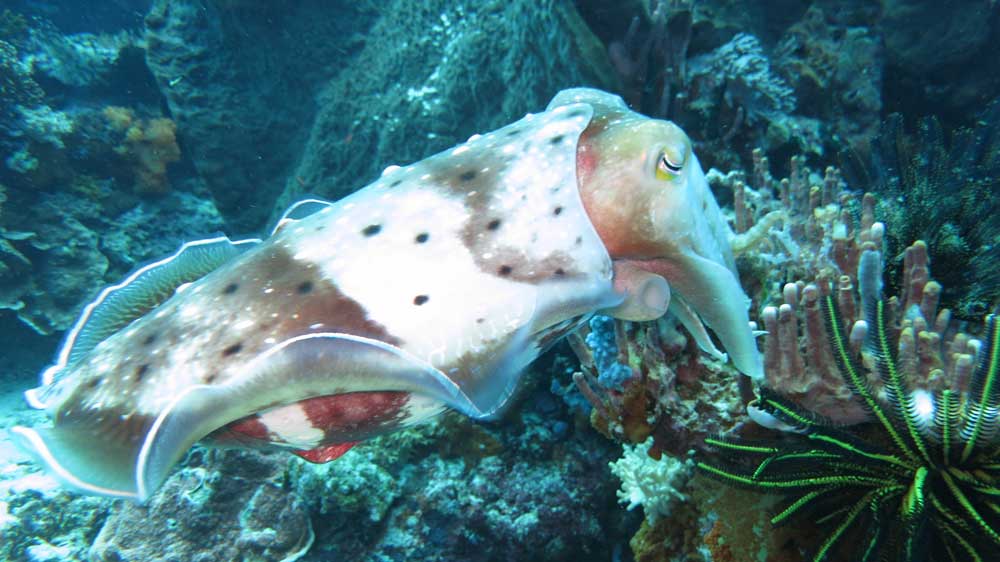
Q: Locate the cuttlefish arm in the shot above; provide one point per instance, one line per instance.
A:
(649, 200)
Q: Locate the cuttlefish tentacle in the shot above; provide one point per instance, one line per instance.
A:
(431, 288)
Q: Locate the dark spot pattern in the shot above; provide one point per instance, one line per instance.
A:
(557, 211)
(513, 133)
(395, 183)
(149, 340)
(325, 304)
(232, 350)
(504, 270)
(141, 371)
(420, 299)
(560, 271)
(372, 229)
(493, 224)
(468, 175)
(421, 238)
(211, 378)
(231, 288)
(304, 288)
(557, 139)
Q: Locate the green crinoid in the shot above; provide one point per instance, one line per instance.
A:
(921, 482)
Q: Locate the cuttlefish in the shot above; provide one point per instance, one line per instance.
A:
(431, 288)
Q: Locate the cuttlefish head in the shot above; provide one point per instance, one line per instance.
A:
(648, 199)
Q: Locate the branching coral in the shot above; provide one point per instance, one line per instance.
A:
(654, 484)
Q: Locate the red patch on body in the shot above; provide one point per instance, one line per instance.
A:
(251, 426)
(326, 453)
(344, 420)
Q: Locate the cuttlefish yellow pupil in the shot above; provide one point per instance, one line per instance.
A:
(431, 288)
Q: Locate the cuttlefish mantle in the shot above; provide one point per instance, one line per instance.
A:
(431, 288)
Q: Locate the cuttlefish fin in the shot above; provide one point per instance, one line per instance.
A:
(143, 290)
(120, 458)
(81, 458)
(130, 458)
(713, 291)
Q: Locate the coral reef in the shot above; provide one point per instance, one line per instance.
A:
(67, 169)
(274, 101)
(900, 483)
(669, 394)
(749, 82)
(835, 69)
(238, 501)
(794, 78)
(48, 526)
(55, 259)
(448, 490)
(79, 60)
(442, 84)
(42, 124)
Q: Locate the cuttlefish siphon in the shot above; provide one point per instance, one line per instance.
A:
(431, 288)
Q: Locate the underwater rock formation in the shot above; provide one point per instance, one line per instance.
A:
(459, 68)
(503, 495)
(240, 82)
(330, 106)
(238, 501)
(66, 245)
(835, 66)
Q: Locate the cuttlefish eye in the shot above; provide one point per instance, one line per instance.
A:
(669, 164)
